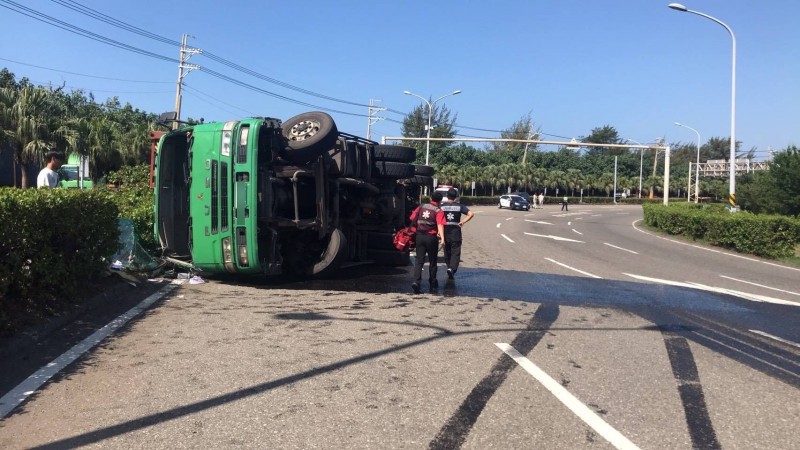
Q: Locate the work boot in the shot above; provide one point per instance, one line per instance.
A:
(434, 283)
(450, 273)
(415, 287)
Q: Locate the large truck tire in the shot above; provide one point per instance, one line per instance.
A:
(309, 135)
(421, 169)
(421, 180)
(395, 153)
(393, 170)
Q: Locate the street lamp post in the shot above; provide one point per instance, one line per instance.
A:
(696, 164)
(732, 193)
(641, 160)
(430, 113)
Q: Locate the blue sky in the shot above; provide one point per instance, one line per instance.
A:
(573, 65)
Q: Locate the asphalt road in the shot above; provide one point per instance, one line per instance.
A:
(561, 330)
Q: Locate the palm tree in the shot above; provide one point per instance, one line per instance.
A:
(28, 125)
(103, 145)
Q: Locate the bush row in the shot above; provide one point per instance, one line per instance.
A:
(768, 236)
(550, 200)
(51, 241)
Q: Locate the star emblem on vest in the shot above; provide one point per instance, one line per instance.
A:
(451, 216)
(426, 214)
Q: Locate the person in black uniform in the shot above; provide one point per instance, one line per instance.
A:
(429, 218)
(455, 215)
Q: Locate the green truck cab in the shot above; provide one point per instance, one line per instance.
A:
(258, 196)
(75, 173)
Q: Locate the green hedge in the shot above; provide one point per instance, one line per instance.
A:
(51, 241)
(768, 236)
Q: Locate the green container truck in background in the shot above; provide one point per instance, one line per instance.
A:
(260, 196)
(75, 173)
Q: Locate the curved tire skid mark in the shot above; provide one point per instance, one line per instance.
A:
(455, 431)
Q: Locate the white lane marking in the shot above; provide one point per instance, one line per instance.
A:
(538, 221)
(498, 225)
(620, 248)
(557, 238)
(760, 285)
(633, 224)
(530, 214)
(591, 418)
(509, 218)
(596, 215)
(17, 395)
(507, 238)
(785, 341)
(577, 231)
(569, 224)
(574, 269)
(579, 218)
(702, 287)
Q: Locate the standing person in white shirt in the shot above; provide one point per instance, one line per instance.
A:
(48, 177)
(541, 200)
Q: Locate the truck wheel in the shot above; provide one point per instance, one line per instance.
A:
(421, 180)
(421, 169)
(393, 170)
(305, 256)
(309, 134)
(395, 153)
(389, 257)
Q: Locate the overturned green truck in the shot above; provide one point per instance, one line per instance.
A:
(298, 197)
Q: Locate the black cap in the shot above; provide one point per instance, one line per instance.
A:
(436, 196)
(452, 194)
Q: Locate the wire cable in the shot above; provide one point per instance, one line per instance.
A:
(85, 75)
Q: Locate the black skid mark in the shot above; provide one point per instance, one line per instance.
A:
(455, 431)
(701, 430)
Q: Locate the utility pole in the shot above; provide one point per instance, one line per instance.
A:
(531, 136)
(370, 118)
(186, 53)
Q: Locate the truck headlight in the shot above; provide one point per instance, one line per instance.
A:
(227, 255)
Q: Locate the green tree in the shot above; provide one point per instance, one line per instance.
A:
(603, 135)
(442, 126)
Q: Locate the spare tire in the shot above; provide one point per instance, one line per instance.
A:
(395, 153)
(309, 135)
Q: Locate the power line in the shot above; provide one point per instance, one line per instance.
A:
(83, 74)
(33, 14)
(196, 91)
(75, 6)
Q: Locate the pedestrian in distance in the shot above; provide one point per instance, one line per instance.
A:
(456, 215)
(48, 176)
(430, 221)
(564, 204)
(541, 201)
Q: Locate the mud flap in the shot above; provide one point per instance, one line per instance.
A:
(333, 257)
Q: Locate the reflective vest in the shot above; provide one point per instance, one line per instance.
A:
(426, 222)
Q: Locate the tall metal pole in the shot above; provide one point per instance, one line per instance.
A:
(732, 190)
(641, 161)
(184, 56)
(697, 164)
(370, 119)
(615, 179)
(430, 113)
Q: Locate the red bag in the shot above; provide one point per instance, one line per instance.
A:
(405, 238)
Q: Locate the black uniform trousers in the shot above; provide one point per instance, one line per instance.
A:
(452, 250)
(426, 244)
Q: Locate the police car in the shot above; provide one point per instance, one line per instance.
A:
(513, 202)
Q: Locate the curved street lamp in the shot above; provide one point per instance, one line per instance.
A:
(430, 113)
(697, 164)
(732, 193)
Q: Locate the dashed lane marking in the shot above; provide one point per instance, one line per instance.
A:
(760, 285)
(573, 269)
(507, 238)
(609, 433)
(620, 248)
